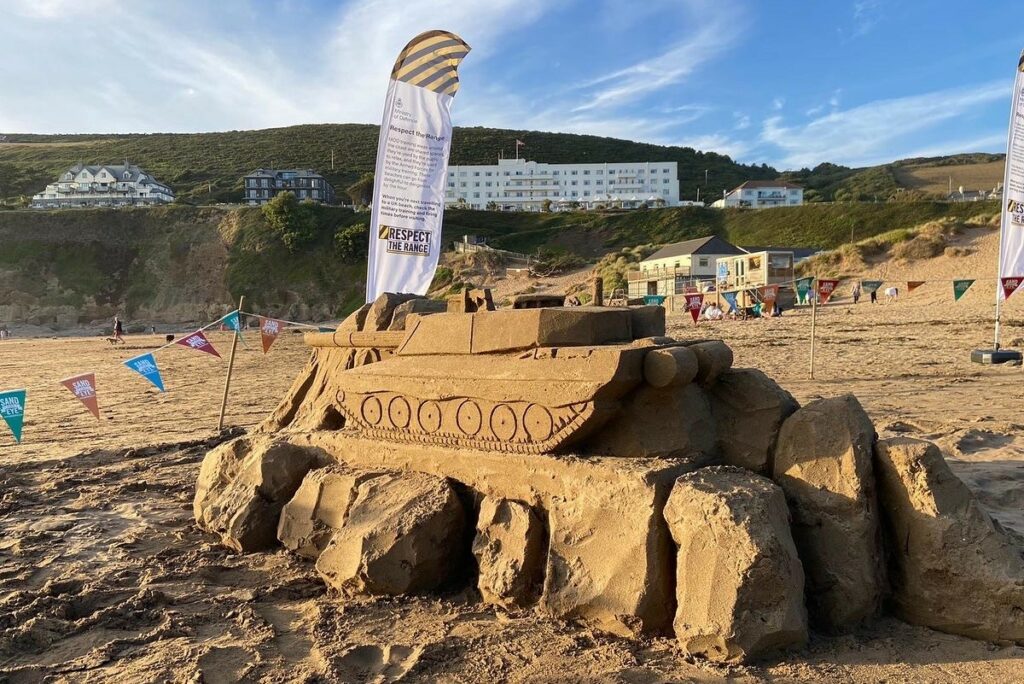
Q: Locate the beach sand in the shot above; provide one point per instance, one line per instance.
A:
(104, 577)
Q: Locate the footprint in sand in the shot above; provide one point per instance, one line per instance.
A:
(973, 441)
(224, 664)
(372, 663)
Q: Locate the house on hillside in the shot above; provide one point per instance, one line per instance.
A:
(262, 185)
(676, 267)
(745, 274)
(111, 185)
(762, 195)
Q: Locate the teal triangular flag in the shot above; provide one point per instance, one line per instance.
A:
(145, 366)
(232, 321)
(12, 410)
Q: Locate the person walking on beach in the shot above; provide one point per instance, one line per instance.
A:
(874, 296)
(856, 293)
(118, 330)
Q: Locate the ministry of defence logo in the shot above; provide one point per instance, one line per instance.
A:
(405, 240)
(1016, 210)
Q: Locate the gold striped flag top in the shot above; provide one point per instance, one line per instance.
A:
(431, 60)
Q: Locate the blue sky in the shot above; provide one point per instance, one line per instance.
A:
(789, 84)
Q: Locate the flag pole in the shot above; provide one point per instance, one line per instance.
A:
(231, 366)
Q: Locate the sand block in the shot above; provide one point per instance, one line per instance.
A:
(381, 311)
(748, 409)
(739, 581)
(609, 561)
(647, 321)
(320, 506)
(508, 330)
(355, 320)
(402, 534)
(953, 568)
(419, 305)
(241, 500)
(674, 422)
(509, 551)
(823, 463)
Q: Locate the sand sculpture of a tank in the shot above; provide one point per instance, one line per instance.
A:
(577, 462)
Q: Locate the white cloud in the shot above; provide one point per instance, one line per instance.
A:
(714, 31)
(870, 133)
(742, 121)
(778, 103)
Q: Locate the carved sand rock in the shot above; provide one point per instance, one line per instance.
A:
(953, 568)
(739, 582)
(319, 508)
(823, 463)
(244, 484)
(402, 534)
(748, 409)
(509, 552)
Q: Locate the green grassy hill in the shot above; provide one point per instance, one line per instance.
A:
(208, 167)
(182, 263)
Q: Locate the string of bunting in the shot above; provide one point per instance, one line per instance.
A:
(827, 287)
(83, 386)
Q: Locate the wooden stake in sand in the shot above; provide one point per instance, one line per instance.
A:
(231, 366)
(814, 317)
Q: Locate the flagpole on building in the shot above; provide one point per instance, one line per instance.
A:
(231, 366)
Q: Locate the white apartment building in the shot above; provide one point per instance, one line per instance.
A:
(521, 185)
(762, 195)
(112, 185)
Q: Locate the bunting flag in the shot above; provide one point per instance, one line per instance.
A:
(730, 299)
(914, 284)
(12, 410)
(145, 366)
(198, 341)
(803, 290)
(270, 328)
(84, 387)
(826, 288)
(769, 293)
(693, 304)
(960, 287)
(1011, 214)
(232, 322)
(1010, 285)
(871, 285)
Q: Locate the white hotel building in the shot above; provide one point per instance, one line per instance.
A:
(521, 185)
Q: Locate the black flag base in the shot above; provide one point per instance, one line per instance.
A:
(996, 356)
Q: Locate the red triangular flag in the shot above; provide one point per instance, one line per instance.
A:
(84, 387)
(270, 328)
(826, 288)
(1010, 285)
(198, 341)
(769, 293)
(693, 304)
(914, 284)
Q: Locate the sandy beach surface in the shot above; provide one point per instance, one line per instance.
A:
(104, 577)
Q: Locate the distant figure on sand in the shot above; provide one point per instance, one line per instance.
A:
(892, 294)
(118, 332)
(874, 296)
(856, 293)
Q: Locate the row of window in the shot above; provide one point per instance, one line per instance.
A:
(265, 182)
(586, 172)
(586, 193)
(488, 184)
